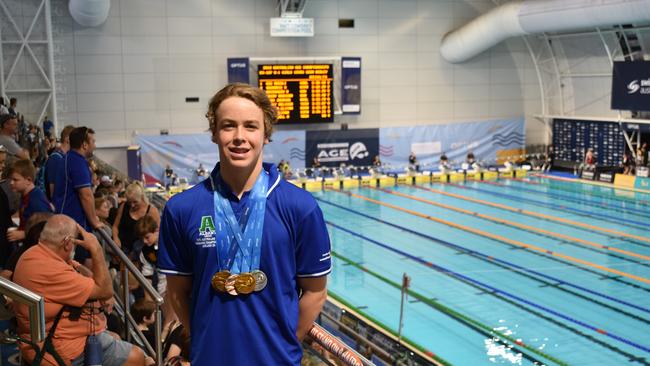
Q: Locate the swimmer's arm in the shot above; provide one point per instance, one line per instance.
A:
(314, 294)
(179, 290)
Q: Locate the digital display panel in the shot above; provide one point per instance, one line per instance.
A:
(302, 93)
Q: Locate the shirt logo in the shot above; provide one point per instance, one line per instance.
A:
(206, 224)
(206, 237)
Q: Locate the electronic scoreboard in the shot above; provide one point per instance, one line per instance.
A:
(302, 93)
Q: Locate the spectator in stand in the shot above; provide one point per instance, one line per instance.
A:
(33, 229)
(103, 209)
(5, 215)
(590, 160)
(176, 348)
(72, 295)
(143, 313)
(315, 164)
(48, 127)
(33, 200)
(73, 194)
(8, 129)
(3, 108)
(147, 230)
(12, 106)
(548, 162)
(376, 161)
(444, 165)
(628, 163)
(129, 213)
(640, 156)
(413, 162)
(54, 164)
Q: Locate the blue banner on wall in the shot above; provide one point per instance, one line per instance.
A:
(336, 147)
(488, 140)
(351, 85)
(238, 70)
(184, 153)
(288, 146)
(631, 85)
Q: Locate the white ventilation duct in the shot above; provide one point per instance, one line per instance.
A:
(519, 18)
(89, 13)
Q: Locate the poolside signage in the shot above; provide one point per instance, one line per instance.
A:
(336, 147)
(586, 174)
(631, 85)
(606, 177)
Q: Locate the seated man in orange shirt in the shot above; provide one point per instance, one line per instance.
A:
(48, 270)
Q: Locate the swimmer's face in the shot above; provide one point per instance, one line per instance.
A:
(239, 133)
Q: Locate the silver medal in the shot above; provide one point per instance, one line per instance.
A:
(260, 280)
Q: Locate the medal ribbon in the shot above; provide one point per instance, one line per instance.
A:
(239, 243)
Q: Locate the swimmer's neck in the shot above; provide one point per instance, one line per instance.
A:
(240, 179)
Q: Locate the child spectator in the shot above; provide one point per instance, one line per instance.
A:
(147, 231)
(143, 311)
(176, 348)
(32, 198)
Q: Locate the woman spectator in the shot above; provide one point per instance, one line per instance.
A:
(128, 214)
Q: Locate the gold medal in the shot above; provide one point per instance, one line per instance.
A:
(219, 280)
(245, 283)
(230, 285)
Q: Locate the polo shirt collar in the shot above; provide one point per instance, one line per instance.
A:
(271, 169)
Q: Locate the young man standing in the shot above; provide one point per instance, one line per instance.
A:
(246, 253)
(73, 195)
(54, 163)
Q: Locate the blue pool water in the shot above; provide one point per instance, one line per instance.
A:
(526, 272)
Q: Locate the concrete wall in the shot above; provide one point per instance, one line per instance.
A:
(134, 72)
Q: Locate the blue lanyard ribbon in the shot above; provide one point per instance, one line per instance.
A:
(239, 243)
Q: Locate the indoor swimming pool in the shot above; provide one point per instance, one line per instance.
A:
(516, 271)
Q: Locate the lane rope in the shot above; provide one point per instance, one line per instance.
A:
(505, 293)
(508, 222)
(604, 205)
(488, 258)
(502, 238)
(551, 217)
(486, 330)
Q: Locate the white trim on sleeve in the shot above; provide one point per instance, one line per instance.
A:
(319, 274)
(171, 272)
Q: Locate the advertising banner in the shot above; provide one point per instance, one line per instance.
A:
(631, 85)
(351, 85)
(336, 147)
(238, 70)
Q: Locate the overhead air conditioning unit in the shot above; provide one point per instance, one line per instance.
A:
(291, 23)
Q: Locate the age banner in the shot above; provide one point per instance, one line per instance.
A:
(335, 147)
(631, 85)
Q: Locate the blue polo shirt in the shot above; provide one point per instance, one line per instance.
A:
(74, 175)
(259, 328)
(34, 202)
(53, 166)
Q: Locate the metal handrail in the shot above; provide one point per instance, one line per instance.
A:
(148, 288)
(333, 345)
(35, 303)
